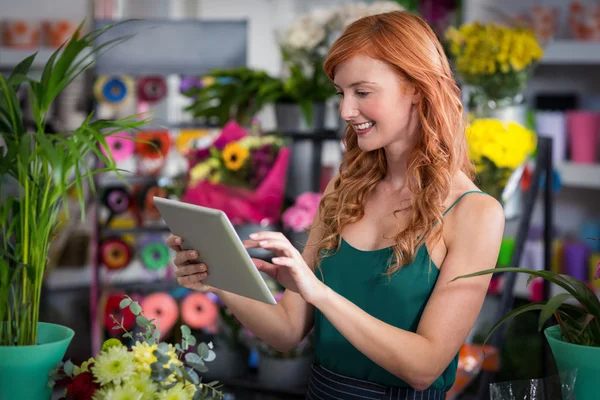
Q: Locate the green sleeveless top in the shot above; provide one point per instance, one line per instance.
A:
(400, 301)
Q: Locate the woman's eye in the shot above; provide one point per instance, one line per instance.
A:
(362, 94)
(340, 94)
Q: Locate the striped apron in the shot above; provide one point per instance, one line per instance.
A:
(324, 384)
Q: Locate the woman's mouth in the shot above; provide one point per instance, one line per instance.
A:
(363, 128)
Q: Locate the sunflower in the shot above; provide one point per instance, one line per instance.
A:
(234, 156)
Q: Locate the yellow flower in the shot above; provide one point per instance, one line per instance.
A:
(234, 156)
(115, 365)
(144, 357)
(111, 343)
(103, 393)
(126, 392)
(177, 392)
(199, 172)
(84, 367)
(144, 385)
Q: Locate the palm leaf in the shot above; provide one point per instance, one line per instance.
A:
(551, 306)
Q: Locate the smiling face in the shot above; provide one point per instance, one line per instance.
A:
(377, 102)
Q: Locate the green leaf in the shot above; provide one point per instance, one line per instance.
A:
(142, 321)
(191, 375)
(211, 356)
(203, 350)
(551, 306)
(185, 331)
(135, 308)
(193, 358)
(68, 368)
(125, 303)
(22, 68)
(512, 314)
(198, 367)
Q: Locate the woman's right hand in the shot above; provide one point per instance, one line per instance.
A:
(190, 272)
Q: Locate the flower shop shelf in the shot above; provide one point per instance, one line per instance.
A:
(580, 175)
(10, 57)
(572, 52)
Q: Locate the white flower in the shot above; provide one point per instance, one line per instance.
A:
(115, 365)
(143, 384)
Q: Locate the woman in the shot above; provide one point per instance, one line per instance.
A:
(374, 278)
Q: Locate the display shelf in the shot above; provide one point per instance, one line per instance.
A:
(10, 57)
(579, 175)
(572, 52)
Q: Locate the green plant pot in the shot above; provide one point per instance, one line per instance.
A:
(24, 369)
(570, 356)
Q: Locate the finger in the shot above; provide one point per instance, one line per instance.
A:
(191, 279)
(184, 256)
(284, 261)
(174, 242)
(250, 244)
(279, 245)
(265, 267)
(265, 235)
(190, 270)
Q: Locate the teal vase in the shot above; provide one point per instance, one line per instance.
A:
(585, 359)
(24, 369)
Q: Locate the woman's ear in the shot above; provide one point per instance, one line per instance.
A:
(416, 95)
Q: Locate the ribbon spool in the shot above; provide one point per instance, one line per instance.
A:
(146, 199)
(115, 253)
(112, 306)
(158, 146)
(123, 222)
(114, 90)
(117, 200)
(187, 138)
(152, 89)
(120, 146)
(163, 309)
(198, 311)
(154, 253)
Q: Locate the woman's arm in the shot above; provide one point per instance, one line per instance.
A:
(420, 358)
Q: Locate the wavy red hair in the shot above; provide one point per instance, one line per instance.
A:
(407, 44)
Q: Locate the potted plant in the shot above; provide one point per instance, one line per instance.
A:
(575, 339)
(494, 62)
(41, 168)
(232, 94)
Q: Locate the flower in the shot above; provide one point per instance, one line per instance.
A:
(84, 367)
(82, 387)
(115, 365)
(234, 156)
(112, 342)
(177, 392)
(143, 354)
(497, 148)
(597, 274)
(302, 213)
(143, 384)
(125, 392)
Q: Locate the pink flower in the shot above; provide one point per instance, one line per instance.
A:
(309, 200)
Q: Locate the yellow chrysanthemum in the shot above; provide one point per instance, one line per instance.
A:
(234, 156)
(103, 393)
(84, 367)
(199, 172)
(125, 392)
(143, 384)
(114, 366)
(144, 357)
(177, 392)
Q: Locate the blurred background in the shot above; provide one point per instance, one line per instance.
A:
(245, 120)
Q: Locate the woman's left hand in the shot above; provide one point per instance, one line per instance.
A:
(308, 285)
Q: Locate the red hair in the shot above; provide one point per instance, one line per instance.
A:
(407, 44)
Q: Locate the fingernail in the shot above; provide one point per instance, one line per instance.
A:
(276, 259)
(253, 236)
(192, 254)
(263, 243)
(177, 241)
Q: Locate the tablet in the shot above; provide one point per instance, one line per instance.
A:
(211, 234)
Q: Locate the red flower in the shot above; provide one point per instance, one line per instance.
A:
(82, 387)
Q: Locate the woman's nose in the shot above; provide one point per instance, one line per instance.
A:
(348, 111)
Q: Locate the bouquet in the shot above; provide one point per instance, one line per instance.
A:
(304, 46)
(494, 60)
(497, 148)
(242, 175)
(300, 216)
(150, 370)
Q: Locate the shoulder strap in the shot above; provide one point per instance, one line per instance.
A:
(461, 196)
